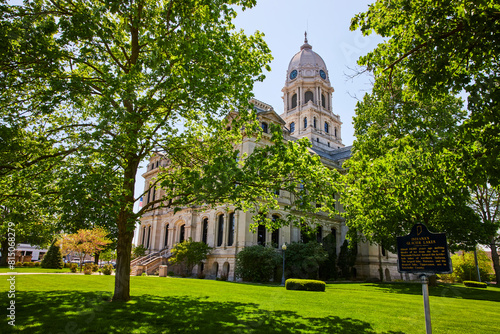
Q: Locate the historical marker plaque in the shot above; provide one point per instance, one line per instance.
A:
(423, 252)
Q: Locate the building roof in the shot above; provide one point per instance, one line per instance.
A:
(337, 155)
(306, 58)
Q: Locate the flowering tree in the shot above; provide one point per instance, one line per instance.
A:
(85, 242)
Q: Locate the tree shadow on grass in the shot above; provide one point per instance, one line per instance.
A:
(91, 312)
(442, 290)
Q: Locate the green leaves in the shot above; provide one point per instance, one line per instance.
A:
(413, 157)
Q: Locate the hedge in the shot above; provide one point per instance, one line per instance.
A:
(304, 284)
(474, 284)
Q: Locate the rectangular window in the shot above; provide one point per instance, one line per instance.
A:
(220, 231)
(230, 237)
(204, 237)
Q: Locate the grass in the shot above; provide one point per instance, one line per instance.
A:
(33, 270)
(63, 303)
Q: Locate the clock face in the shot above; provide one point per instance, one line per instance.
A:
(293, 75)
(322, 74)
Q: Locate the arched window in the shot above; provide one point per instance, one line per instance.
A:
(292, 127)
(220, 230)
(182, 233)
(323, 103)
(327, 127)
(275, 237)
(305, 122)
(328, 144)
(308, 96)
(317, 140)
(314, 122)
(264, 127)
(335, 132)
(165, 243)
(230, 237)
(204, 236)
(294, 101)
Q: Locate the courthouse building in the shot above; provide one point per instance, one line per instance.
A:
(308, 112)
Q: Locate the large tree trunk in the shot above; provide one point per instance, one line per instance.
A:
(5, 251)
(126, 224)
(122, 275)
(495, 259)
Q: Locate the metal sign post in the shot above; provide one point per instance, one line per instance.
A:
(427, 308)
(424, 253)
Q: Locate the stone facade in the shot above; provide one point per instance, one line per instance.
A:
(308, 112)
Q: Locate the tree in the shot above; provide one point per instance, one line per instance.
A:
(256, 263)
(436, 50)
(486, 203)
(108, 255)
(53, 258)
(188, 254)
(464, 267)
(85, 242)
(347, 259)
(405, 169)
(138, 251)
(303, 260)
(328, 270)
(118, 80)
(417, 149)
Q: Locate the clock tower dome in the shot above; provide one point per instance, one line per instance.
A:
(307, 97)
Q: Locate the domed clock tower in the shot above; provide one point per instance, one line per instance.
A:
(307, 96)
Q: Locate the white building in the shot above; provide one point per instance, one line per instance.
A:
(308, 112)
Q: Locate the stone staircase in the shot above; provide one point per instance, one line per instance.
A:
(149, 263)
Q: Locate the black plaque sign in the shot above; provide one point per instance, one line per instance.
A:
(423, 252)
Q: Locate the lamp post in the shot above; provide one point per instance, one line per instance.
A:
(283, 248)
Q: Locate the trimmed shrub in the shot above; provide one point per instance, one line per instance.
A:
(37, 264)
(473, 284)
(304, 284)
(26, 264)
(31, 264)
(19, 264)
(53, 258)
(256, 263)
(73, 267)
(88, 268)
(107, 269)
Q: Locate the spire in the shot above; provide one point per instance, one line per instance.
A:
(306, 45)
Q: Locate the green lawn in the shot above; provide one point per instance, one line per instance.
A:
(70, 304)
(33, 270)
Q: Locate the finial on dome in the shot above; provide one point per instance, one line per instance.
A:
(306, 45)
